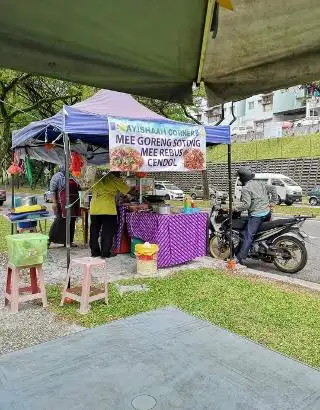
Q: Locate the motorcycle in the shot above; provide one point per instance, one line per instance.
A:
(279, 241)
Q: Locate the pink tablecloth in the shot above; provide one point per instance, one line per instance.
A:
(181, 238)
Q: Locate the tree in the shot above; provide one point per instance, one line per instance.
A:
(26, 97)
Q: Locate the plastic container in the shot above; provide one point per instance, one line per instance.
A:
(28, 225)
(134, 242)
(147, 258)
(27, 249)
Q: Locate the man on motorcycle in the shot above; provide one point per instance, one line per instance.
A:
(255, 198)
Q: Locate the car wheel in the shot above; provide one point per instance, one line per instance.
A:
(313, 201)
(279, 200)
(167, 197)
(193, 196)
(289, 202)
(1, 203)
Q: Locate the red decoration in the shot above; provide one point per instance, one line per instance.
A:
(76, 164)
(140, 174)
(14, 169)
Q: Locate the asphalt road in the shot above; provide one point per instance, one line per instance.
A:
(312, 269)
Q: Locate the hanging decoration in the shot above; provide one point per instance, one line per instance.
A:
(76, 164)
(14, 168)
(28, 171)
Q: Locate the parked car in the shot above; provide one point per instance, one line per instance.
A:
(168, 190)
(197, 193)
(3, 196)
(47, 197)
(288, 190)
(314, 196)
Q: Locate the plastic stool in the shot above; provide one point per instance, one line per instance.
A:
(85, 298)
(15, 295)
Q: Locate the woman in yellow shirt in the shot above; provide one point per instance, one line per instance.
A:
(103, 213)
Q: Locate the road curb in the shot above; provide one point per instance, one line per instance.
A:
(284, 279)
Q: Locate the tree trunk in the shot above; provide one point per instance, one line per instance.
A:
(5, 146)
(205, 183)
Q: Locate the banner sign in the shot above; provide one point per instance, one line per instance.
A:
(149, 146)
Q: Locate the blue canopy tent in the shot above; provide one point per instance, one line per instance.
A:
(86, 124)
(84, 127)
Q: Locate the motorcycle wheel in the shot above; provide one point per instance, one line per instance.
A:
(293, 255)
(216, 251)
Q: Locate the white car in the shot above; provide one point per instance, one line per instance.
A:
(307, 121)
(168, 190)
(288, 190)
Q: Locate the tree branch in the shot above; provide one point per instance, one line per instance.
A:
(17, 80)
(38, 104)
(187, 114)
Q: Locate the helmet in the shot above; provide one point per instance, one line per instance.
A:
(245, 174)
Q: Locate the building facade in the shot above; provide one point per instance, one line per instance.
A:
(262, 113)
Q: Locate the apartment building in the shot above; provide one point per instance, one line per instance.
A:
(264, 113)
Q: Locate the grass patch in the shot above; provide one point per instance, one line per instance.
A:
(292, 210)
(283, 319)
(25, 190)
(5, 229)
(275, 148)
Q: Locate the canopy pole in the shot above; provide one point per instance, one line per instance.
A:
(67, 178)
(230, 199)
(140, 190)
(230, 183)
(12, 200)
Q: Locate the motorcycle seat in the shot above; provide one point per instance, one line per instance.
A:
(240, 223)
(274, 224)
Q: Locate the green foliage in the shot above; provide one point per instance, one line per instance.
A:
(281, 318)
(175, 111)
(27, 97)
(275, 148)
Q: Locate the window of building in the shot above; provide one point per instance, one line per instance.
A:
(267, 107)
(251, 105)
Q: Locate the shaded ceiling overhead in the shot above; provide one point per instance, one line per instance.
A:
(155, 48)
(145, 47)
(261, 46)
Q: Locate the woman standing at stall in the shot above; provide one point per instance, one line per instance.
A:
(57, 232)
(103, 213)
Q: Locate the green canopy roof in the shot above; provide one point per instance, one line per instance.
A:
(154, 47)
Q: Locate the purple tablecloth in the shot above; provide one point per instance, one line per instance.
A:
(181, 238)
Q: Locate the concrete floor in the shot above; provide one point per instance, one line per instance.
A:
(161, 360)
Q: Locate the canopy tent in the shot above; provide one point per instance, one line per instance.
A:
(86, 124)
(159, 48)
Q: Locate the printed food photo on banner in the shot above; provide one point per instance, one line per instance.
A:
(148, 146)
(125, 159)
(194, 159)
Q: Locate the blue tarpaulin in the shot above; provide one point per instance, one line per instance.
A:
(86, 124)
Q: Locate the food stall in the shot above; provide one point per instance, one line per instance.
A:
(113, 128)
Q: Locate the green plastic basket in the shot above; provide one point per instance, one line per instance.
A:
(27, 249)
